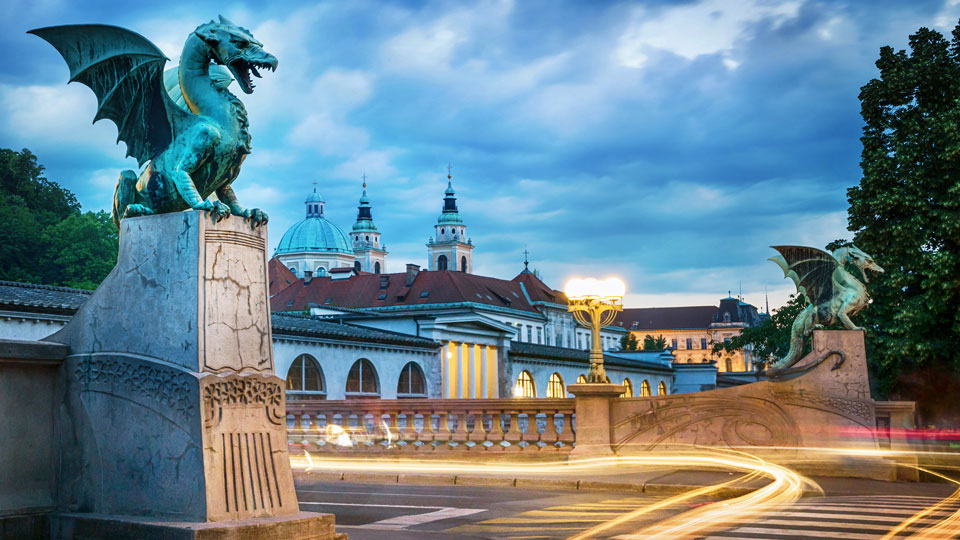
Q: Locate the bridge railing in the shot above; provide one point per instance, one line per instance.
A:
(432, 425)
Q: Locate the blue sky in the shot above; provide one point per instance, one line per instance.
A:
(669, 143)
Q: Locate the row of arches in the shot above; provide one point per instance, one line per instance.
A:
(526, 387)
(305, 380)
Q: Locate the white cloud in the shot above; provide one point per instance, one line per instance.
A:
(375, 163)
(696, 29)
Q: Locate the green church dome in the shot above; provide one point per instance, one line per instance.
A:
(314, 234)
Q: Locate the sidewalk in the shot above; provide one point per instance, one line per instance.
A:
(653, 481)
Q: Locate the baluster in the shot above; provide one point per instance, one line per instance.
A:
(550, 435)
(443, 434)
(513, 434)
(479, 433)
(410, 429)
(531, 435)
(460, 434)
(389, 423)
(429, 433)
(495, 434)
(305, 427)
(566, 436)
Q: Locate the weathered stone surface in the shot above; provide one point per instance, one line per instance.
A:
(185, 291)
(593, 417)
(27, 398)
(299, 526)
(171, 417)
(828, 405)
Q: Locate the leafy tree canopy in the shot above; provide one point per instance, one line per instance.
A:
(629, 342)
(45, 238)
(651, 343)
(906, 213)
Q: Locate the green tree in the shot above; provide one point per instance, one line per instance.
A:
(771, 338)
(45, 239)
(651, 343)
(629, 342)
(81, 250)
(906, 213)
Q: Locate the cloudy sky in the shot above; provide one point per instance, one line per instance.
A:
(669, 143)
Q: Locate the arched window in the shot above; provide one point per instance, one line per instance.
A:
(525, 386)
(442, 262)
(293, 269)
(362, 380)
(581, 379)
(627, 388)
(376, 267)
(441, 231)
(662, 389)
(463, 264)
(321, 271)
(645, 388)
(411, 384)
(356, 265)
(367, 237)
(305, 379)
(555, 387)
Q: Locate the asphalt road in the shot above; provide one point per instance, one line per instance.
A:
(396, 512)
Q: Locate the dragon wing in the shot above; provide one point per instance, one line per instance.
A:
(125, 71)
(810, 269)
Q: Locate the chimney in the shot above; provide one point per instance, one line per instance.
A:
(307, 276)
(384, 281)
(412, 271)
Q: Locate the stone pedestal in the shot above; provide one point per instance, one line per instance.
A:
(171, 412)
(593, 417)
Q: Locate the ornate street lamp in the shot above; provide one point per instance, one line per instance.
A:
(595, 304)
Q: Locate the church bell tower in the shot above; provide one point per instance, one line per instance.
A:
(449, 248)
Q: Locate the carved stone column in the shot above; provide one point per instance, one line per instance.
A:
(594, 432)
(171, 410)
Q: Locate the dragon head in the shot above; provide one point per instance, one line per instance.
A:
(858, 258)
(236, 48)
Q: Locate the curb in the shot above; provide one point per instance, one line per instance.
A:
(523, 483)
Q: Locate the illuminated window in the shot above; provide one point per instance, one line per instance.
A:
(555, 387)
(628, 388)
(645, 388)
(581, 379)
(662, 389)
(362, 380)
(412, 383)
(305, 379)
(525, 386)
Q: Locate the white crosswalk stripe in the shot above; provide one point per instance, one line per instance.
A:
(843, 518)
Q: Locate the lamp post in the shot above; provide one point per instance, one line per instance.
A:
(595, 304)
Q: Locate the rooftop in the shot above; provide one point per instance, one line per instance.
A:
(667, 318)
(44, 298)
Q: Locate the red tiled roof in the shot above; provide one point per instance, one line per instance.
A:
(436, 287)
(538, 290)
(280, 276)
(667, 318)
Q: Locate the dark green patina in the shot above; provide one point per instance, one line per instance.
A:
(192, 152)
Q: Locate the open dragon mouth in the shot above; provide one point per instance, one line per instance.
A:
(242, 69)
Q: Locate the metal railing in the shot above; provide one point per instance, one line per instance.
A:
(432, 425)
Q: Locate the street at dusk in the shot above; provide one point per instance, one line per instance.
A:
(676, 270)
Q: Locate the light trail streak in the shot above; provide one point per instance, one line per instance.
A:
(945, 528)
(784, 488)
(785, 485)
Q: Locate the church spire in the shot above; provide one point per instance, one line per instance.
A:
(364, 211)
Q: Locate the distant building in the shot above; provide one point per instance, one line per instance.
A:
(449, 248)
(691, 331)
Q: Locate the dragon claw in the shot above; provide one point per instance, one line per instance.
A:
(216, 209)
(256, 217)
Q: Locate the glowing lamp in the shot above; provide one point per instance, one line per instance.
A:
(595, 304)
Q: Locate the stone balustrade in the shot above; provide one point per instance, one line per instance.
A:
(432, 425)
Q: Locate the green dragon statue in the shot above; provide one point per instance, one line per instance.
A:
(833, 294)
(193, 151)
